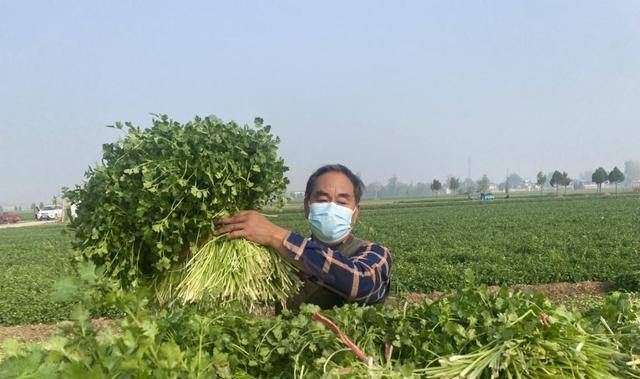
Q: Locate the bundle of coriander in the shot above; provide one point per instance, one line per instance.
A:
(225, 272)
(159, 189)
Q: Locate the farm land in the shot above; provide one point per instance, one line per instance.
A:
(537, 240)
(592, 241)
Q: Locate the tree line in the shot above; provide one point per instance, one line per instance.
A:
(600, 177)
(557, 179)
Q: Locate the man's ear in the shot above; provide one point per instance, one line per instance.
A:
(354, 217)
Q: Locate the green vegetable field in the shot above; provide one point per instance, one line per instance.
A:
(32, 259)
(539, 241)
(187, 303)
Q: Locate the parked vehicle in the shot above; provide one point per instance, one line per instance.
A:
(50, 212)
(487, 196)
(9, 218)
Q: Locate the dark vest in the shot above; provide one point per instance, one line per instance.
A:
(312, 293)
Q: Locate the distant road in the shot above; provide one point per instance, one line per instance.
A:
(28, 223)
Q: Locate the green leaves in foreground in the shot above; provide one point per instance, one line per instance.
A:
(473, 333)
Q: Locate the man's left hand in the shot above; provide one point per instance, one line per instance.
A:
(253, 226)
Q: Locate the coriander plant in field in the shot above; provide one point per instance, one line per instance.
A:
(147, 210)
(474, 333)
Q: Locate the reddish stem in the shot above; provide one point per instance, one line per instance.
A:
(359, 353)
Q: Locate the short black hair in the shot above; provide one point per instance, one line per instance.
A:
(358, 185)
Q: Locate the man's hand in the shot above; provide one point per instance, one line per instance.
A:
(254, 227)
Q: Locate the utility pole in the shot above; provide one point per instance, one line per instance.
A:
(506, 184)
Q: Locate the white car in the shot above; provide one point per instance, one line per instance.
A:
(50, 212)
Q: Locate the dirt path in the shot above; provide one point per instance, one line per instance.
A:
(564, 293)
(28, 223)
(561, 292)
(40, 332)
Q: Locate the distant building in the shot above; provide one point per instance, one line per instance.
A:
(8, 208)
(529, 185)
(594, 186)
(297, 195)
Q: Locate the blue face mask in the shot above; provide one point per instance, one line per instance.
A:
(329, 221)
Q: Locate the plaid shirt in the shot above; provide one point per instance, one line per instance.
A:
(363, 278)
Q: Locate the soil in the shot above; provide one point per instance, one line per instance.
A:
(40, 332)
(27, 223)
(564, 293)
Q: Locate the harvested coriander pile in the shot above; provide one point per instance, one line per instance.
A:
(159, 190)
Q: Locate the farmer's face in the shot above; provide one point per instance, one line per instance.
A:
(335, 187)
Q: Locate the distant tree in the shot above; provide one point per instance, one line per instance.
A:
(484, 183)
(556, 180)
(391, 189)
(512, 181)
(374, 190)
(436, 186)
(578, 185)
(600, 176)
(468, 187)
(515, 181)
(422, 189)
(41, 205)
(616, 176)
(631, 171)
(33, 206)
(403, 189)
(453, 183)
(566, 180)
(541, 180)
(54, 200)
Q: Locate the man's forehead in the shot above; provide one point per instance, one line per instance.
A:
(320, 192)
(333, 181)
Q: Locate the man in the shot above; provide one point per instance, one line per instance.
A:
(336, 266)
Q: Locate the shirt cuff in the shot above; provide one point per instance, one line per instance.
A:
(295, 244)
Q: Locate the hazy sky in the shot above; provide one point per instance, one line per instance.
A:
(404, 88)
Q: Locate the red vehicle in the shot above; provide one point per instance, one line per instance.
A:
(8, 218)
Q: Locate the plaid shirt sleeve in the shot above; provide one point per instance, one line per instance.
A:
(363, 278)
